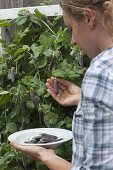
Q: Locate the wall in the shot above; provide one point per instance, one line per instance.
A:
(4, 4)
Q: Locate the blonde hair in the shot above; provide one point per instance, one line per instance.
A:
(76, 8)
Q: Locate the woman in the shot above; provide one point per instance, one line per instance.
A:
(91, 22)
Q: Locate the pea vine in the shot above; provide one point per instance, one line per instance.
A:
(38, 49)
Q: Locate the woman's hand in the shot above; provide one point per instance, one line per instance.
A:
(47, 156)
(34, 152)
(69, 93)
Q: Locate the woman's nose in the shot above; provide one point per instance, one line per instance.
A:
(73, 41)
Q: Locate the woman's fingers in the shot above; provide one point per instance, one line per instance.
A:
(33, 152)
(49, 87)
(27, 149)
(17, 146)
(50, 81)
(64, 82)
(55, 97)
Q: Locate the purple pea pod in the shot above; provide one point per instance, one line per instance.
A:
(35, 99)
(56, 88)
(46, 19)
(8, 34)
(12, 75)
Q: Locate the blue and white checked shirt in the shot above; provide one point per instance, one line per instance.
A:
(93, 119)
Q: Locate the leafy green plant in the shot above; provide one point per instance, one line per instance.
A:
(40, 48)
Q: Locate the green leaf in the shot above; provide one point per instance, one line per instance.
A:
(14, 91)
(35, 79)
(71, 73)
(48, 52)
(26, 47)
(27, 80)
(68, 122)
(22, 90)
(57, 53)
(42, 63)
(37, 50)
(40, 166)
(22, 12)
(11, 127)
(4, 23)
(65, 65)
(2, 161)
(43, 40)
(4, 92)
(39, 15)
(34, 47)
(8, 156)
(4, 99)
(19, 35)
(34, 19)
(41, 89)
(19, 58)
(58, 73)
(19, 51)
(29, 105)
(21, 20)
(50, 118)
(2, 65)
(45, 108)
(16, 111)
(5, 148)
(60, 124)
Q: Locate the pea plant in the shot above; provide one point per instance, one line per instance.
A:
(40, 48)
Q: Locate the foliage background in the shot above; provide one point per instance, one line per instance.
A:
(40, 48)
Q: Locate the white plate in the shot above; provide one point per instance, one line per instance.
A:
(25, 135)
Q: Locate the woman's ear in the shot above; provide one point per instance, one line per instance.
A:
(90, 17)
